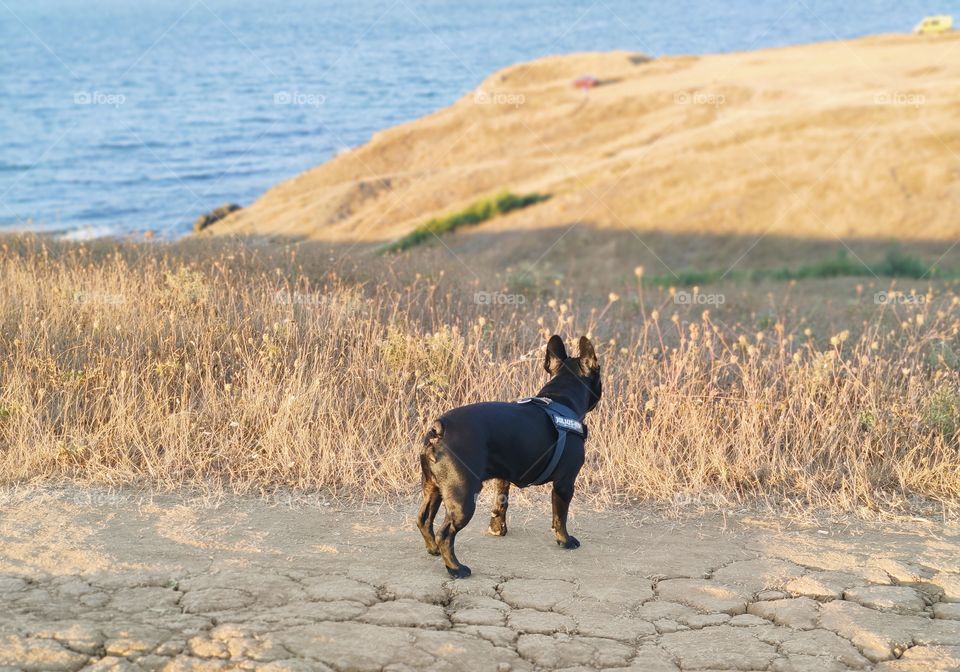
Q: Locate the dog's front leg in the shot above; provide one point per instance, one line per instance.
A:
(498, 520)
(562, 494)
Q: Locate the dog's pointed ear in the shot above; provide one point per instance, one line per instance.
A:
(588, 356)
(556, 353)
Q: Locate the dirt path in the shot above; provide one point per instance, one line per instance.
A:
(128, 584)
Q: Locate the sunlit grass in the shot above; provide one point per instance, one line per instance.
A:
(148, 368)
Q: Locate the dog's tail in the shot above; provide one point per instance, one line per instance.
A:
(431, 440)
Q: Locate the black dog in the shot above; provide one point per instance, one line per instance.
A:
(529, 442)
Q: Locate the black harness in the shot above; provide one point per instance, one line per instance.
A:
(564, 420)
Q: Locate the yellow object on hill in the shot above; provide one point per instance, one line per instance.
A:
(934, 24)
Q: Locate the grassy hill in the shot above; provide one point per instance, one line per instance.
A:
(745, 160)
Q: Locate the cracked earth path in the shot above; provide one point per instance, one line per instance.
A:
(98, 582)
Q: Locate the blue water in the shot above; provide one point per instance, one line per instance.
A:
(121, 116)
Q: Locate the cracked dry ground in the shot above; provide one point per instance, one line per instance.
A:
(163, 585)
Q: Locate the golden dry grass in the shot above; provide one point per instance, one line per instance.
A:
(853, 139)
(225, 368)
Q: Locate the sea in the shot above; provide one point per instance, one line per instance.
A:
(121, 117)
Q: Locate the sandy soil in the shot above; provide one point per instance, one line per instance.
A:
(96, 581)
(839, 139)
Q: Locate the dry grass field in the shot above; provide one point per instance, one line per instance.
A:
(763, 244)
(252, 367)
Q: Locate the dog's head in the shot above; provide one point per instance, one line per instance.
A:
(578, 377)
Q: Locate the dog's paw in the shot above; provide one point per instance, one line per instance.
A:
(497, 528)
(433, 550)
(460, 572)
(571, 543)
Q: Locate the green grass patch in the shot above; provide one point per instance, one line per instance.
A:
(942, 412)
(895, 264)
(840, 265)
(479, 211)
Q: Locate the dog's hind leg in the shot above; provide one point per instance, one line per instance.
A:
(428, 508)
(460, 502)
(562, 494)
(498, 519)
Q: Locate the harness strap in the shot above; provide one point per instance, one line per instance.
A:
(564, 420)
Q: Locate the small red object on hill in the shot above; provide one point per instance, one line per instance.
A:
(586, 82)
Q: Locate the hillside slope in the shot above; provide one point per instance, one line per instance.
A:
(853, 139)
